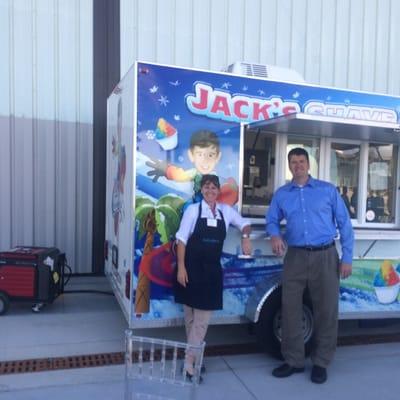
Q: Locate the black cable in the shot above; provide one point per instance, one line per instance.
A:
(68, 277)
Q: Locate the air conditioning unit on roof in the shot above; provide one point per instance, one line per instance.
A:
(265, 71)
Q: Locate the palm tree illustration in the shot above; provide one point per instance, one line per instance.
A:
(162, 217)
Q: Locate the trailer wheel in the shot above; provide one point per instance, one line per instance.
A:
(269, 329)
(4, 303)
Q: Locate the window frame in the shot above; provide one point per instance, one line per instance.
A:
(358, 223)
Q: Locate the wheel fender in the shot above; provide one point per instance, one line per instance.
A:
(261, 294)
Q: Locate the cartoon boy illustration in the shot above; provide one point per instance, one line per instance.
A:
(204, 153)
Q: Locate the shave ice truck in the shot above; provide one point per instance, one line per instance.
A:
(155, 115)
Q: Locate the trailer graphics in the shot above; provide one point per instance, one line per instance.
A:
(164, 111)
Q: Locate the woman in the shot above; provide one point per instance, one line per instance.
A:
(200, 240)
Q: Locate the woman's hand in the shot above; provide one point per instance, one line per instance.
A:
(246, 246)
(182, 276)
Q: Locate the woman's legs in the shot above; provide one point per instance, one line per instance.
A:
(196, 324)
(189, 316)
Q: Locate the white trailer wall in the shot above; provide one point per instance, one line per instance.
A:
(345, 43)
(46, 126)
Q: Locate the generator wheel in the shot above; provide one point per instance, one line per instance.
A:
(4, 303)
(269, 328)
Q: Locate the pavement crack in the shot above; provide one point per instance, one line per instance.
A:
(239, 379)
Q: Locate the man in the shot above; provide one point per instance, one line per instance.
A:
(313, 211)
(346, 201)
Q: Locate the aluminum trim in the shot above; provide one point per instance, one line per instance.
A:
(263, 300)
(323, 118)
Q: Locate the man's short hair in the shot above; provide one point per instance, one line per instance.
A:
(210, 178)
(204, 138)
(298, 151)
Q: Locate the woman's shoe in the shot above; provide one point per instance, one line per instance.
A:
(202, 369)
(190, 377)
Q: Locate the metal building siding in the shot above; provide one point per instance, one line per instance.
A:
(46, 126)
(343, 43)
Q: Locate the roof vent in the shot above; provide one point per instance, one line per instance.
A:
(265, 71)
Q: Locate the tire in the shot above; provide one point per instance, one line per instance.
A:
(4, 303)
(268, 327)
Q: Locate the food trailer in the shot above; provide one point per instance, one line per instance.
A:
(154, 118)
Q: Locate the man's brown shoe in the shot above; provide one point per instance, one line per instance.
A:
(286, 370)
(318, 374)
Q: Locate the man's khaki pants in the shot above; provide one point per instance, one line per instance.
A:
(317, 271)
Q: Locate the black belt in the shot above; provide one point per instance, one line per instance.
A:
(315, 248)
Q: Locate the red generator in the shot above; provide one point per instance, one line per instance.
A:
(33, 274)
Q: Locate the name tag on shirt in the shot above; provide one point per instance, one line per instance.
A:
(211, 222)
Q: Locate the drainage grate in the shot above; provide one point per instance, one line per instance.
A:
(17, 367)
(56, 363)
(103, 359)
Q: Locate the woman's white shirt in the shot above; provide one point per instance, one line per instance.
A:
(189, 218)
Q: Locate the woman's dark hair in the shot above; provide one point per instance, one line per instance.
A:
(298, 151)
(210, 178)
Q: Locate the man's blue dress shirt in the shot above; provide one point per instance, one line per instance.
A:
(313, 214)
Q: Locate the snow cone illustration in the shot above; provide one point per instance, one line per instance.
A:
(386, 283)
(166, 135)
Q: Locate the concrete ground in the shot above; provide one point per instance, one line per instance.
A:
(88, 323)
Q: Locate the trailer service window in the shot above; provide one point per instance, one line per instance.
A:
(365, 172)
(366, 177)
(258, 172)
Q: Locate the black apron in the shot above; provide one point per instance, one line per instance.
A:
(203, 266)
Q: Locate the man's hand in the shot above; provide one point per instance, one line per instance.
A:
(159, 168)
(345, 270)
(182, 276)
(278, 245)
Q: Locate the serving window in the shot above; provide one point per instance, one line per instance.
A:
(381, 183)
(365, 175)
(360, 158)
(344, 173)
(258, 172)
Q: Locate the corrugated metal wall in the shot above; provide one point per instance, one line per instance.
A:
(46, 126)
(46, 81)
(344, 43)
